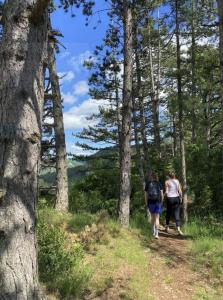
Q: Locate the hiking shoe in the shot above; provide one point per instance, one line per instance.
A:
(167, 229)
(156, 236)
(180, 232)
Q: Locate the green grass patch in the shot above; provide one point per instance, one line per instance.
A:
(61, 260)
(201, 293)
(209, 255)
(78, 221)
(207, 249)
(53, 217)
(61, 268)
(140, 222)
(197, 229)
(122, 265)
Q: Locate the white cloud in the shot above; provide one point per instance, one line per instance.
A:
(81, 88)
(77, 150)
(48, 121)
(64, 54)
(66, 76)
(78, 61)
(69, 98)
(76, 117)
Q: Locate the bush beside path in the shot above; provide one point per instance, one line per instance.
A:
(114, 263)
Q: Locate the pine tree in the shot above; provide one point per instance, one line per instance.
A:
(220, 13)
(22, 54)
(60, 144)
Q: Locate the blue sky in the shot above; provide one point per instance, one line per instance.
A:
(80, 42)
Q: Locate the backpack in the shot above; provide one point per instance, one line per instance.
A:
(153, 191)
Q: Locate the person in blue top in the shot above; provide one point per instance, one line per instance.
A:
(153, 200)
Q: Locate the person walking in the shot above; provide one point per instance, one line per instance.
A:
(153, 200)
(173, 194)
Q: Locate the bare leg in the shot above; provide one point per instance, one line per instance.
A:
(156, 223)
(153, 223)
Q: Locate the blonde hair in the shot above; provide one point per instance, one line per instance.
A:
(172, 175)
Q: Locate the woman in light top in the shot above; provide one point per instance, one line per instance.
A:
(174, 196)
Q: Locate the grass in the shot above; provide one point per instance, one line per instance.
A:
(79, 221)
(201, 293)
(60, 260)
(108, 261)
(53, 217)
(207, 255)
(122, 265)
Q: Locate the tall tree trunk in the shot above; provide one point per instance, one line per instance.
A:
(193, 71)
(147, 166)
(62, 201)
(125, 172)
(207, 122)
(23, 47)
(220, 12)
(118, 116)
(180, 113)
(158, 88)
(146, 163)
(139, 162)
(155, 102)
(174, 136)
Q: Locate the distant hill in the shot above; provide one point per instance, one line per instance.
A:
(76, 170)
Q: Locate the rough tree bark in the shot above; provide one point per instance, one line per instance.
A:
(220, 13)
(139, 94)
(23, 47)
(125, 172)
(158, 83)
(174, 136)
(154, 100)
(147, 165)
(62, 201)
(180, 114)
(193, 71)
(139, 162)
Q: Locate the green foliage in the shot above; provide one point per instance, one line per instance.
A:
(46, 201)
(97, 191)
(53, 217)
(140, 221)
(60, 265)
(207, 247)
(79, 221)
(204, 228)
(204, 173)
(209, 253)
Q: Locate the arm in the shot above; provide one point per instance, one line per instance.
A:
(146, 198)
(179, 189)
(166, 187)
(162, 195)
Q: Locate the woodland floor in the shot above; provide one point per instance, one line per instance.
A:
(128, 265)
(172, 274)
(175, 276)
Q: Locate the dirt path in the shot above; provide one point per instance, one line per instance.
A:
(171, 274)
(171, 265)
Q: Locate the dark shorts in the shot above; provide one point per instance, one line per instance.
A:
(155, 208)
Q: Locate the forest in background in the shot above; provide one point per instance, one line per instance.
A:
(158, 74)
(175, 102)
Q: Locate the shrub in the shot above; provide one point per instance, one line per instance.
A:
(207, 246)
(79, 221)
(59, 265)
(140, 221)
